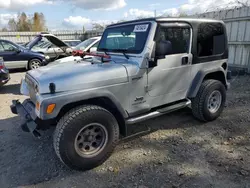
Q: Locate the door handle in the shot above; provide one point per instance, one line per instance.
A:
(184, 61)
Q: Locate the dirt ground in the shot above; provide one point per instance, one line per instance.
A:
(177, 152)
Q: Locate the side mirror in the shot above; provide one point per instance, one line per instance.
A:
(17, 50)
(152, 62)
(160, 50)
(93, 49)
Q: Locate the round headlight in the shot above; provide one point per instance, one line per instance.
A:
(47, 57)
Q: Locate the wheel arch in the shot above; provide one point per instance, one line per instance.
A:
(104, 102)
(216, 74)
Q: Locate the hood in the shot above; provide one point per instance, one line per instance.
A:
(53, 39)
(34, 53)
(79, 76)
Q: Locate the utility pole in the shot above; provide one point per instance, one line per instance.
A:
(155, 13)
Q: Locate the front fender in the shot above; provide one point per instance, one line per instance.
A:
(66, 98)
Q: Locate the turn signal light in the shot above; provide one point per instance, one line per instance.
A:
(38, 106)
(51, 108)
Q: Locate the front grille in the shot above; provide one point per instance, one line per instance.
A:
(31, 84)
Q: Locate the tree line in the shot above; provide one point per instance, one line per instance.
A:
(36, 22)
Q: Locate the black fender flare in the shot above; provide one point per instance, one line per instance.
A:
(64, 100)
(199, 77)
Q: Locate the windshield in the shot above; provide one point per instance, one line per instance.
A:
(85, 44)
(43, 44)
(34, 42)
(72, 43)
(129, 38)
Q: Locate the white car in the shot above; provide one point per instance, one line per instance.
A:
(89, 45)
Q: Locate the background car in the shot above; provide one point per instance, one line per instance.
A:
(72, 43)
(4, 73)
(50, 46)
(89, 45)
(16, 56)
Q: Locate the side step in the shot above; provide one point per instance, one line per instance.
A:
(159, 112)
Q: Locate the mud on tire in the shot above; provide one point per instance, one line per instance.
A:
(75, 131)
(203, 107)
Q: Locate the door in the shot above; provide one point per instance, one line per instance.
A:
(169, 80)
(12, 55)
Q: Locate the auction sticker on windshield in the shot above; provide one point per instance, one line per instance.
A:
(141, 28)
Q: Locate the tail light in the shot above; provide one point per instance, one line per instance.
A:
(1, 63)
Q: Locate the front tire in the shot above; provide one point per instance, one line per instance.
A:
(34, 64)
(85, 137)
(209, 101)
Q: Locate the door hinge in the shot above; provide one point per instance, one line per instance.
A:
(148, 88)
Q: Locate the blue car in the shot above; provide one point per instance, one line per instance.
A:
(16, 56)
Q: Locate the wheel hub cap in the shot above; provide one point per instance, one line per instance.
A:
(214, 101)
(91, 140)
(35, 65)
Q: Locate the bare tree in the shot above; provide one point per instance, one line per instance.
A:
(4, 29)
(23, 23)
(12, 25)
(38, 22)
(98, 26)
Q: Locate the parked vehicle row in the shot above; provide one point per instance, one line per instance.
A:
(89, 45)
(16, 56)
(50, 46)
(42, 50)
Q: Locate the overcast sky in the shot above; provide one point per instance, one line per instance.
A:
(73, 14)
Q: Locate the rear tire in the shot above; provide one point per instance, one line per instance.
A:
(34, 64)
(85, 137)
(209, 101)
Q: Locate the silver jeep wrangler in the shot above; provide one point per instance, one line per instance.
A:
(149, 67)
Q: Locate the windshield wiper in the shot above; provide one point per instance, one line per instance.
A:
(123, 51)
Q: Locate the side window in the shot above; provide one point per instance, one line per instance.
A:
(178, 39)
(8, 47)
(96, 44)
(1, 47)
(211, 39)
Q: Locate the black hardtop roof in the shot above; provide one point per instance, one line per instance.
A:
(167, 19)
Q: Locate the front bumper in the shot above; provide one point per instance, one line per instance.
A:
(26, 111)
(45, 62)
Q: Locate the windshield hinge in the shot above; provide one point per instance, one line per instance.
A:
(148, 88)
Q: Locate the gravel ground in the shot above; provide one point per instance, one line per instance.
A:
(177, 151)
